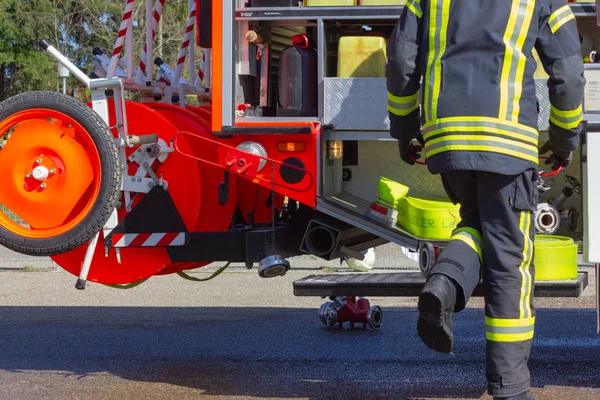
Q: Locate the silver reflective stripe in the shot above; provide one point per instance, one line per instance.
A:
(515, 55)
(487, 143)
(506, 329)
(482, 124)
(566, 123)
(555, 19)
(470, 235)
(415, 7)
(402, 108)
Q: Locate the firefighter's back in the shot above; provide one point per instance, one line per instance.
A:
(479, 96)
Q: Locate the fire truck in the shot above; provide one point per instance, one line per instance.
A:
(276, 146)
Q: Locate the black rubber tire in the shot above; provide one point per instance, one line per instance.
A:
(110, 173)
(426, 258)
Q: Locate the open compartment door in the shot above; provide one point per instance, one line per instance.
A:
(590, 174)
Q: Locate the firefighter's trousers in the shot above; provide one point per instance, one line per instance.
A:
(495, 239)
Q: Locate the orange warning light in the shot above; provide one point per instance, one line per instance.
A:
(291, 146)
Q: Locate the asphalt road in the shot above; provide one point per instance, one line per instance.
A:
(240, 336)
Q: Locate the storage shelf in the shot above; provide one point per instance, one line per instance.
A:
(583, 9)
(357, 135)
(354, 12)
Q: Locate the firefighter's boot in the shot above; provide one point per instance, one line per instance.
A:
(436, 313)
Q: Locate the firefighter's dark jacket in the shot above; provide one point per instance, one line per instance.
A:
(477, 106)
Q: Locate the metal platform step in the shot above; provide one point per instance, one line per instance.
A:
(409, 284)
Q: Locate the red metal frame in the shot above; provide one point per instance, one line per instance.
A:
(245, 165)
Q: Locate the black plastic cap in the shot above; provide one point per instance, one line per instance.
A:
(158, 61)
(44, 44)
(80, 285)
(97, 51)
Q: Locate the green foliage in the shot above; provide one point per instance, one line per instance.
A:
(74, 27)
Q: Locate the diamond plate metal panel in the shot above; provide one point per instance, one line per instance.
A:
(381, 158)
(360, 104)
(543, 98)
(356, 104)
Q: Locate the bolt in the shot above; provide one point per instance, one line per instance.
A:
(43, 186)
(139, 179)
(150, 184)
(38, 161)
(132, 179)
(52, 171)
(28, 176)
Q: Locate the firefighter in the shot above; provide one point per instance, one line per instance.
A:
(476, 116)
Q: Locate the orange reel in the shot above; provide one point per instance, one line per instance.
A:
(185, 188)
(212, 215)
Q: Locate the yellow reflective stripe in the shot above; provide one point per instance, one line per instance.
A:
(415, 7)
(403, 99)
(566, 119)
(518, 90)
(513, 66)
(560, 17)
(509, 337)
(526, 284)
(401, 111)
(567, 113)
(473, 119)
(482, 138)
(508, 329)
(470, 241)
(484, 148)
(508, 57)
(509, 322)
(497, 131)
(430, 58)
(471, 231)
(402, 105)
(438, 62)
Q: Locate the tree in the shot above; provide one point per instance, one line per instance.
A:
(74, 27)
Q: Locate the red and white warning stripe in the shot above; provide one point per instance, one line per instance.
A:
(120, 38)
(187, 38)
(158, 10)
(148, 239)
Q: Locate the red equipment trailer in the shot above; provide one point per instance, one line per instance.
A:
(281, 158)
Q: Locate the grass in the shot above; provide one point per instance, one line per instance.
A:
(30, 268)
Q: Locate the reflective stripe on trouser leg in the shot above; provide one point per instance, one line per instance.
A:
(506, 216)
(461, 259)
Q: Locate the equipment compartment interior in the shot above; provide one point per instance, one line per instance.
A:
(356, 148)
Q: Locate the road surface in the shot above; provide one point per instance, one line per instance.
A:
(243, 337)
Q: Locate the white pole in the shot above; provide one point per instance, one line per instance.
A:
(191, 59)
(129, 49)
(149, 41)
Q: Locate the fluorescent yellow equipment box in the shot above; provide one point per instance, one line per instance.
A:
(382, 2)
(555, 258)
(428, 218)
(329, 3)
(361, 57)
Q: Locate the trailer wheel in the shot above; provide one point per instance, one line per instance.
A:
(61, 173)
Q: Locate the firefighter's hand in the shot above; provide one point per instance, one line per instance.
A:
(558, 158)
(409, 152)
